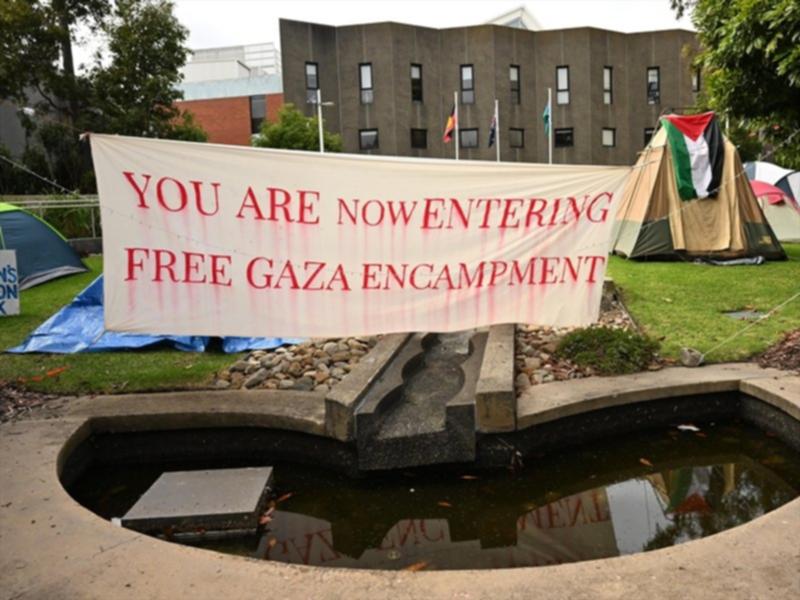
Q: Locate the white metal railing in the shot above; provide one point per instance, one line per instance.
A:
(39, 203)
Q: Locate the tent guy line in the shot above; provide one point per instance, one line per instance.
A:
(763, 317)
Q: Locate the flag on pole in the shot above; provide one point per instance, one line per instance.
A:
(546, 119)
(492, 130)
(451, 126)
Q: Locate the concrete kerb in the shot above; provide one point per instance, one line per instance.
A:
(341, 401)
(543, 403)
(54, 548)
(495, 399)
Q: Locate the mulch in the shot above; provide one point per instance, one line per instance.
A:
(785, 354)
(16, 403)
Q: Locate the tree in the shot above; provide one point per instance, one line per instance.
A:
(294, 131)
(36, 51)
(750, 59)
(136, 93)
(133, 94)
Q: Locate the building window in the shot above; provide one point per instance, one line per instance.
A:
(513, 78)
(419, 138)
(562, 85)
(563, 137)
(312, 82)
(648, 134)
(653, 85)
(696, 80)
(365, 82)
(469, 138)
(368, 139)
(516, 138)
(608, 85)
(416, 83)
(609, 137)
(467, 85)
(258, 111)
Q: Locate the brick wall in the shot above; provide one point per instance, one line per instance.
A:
(227, 120)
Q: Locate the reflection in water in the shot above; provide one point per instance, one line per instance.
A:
(588, 503)
(639, 514)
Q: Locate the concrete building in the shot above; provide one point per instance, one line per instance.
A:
(231, 62)
(392, 85)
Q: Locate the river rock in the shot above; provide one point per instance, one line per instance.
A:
(239, 365)
(285, 384)
(305, 384)
(691, 357)
(330, 347)
(222, 384)
(522, 382)
(256, 378)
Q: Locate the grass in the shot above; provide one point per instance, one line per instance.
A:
(97, 372)
(682, 304)
(679, 303)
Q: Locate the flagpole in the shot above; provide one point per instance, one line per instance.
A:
(550, 126)
(455, 112)
(497, 127)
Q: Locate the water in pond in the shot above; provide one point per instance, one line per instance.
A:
(631, 494)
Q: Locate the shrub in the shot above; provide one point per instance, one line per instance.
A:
(608, 351)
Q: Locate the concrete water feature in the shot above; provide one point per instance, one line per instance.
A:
(54, 548)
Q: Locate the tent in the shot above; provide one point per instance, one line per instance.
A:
(79, 327)
(778, 195)
(656, 219)
(784, 179)
(42, 252)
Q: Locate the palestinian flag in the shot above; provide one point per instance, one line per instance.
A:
(695, 142)
(451, 126)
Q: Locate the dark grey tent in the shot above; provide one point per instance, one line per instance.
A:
(42, 252)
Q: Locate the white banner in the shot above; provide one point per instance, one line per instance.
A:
(203, 239)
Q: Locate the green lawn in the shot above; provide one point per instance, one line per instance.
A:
(683, 303)
(97, 372)
(679, 302)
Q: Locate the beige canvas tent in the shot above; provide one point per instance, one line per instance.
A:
(653, 221)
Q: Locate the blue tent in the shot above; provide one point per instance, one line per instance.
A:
(42, 253)
(79, 327)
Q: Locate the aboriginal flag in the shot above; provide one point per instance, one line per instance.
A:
(451, 126)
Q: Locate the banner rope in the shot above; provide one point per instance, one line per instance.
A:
(74, 194)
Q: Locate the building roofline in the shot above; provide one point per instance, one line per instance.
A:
(478, 25)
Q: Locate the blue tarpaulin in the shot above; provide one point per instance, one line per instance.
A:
(79, 327)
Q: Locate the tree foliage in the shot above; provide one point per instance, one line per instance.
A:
(136, 93)
(131, 92)
(294, 131)
(750, 60)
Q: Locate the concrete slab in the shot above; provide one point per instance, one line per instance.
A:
(542, 403)
(495, 399)
(210, 500)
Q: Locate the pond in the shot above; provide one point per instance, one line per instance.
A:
(626, 494)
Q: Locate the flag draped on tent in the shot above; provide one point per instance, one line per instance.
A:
(450, 126)
(695, 142)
